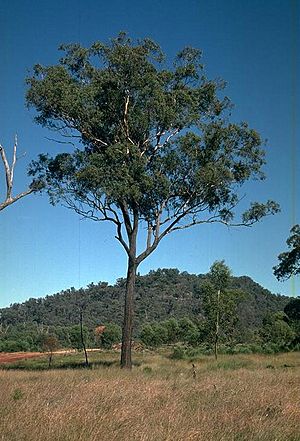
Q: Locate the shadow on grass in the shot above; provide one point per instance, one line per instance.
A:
(40, 366)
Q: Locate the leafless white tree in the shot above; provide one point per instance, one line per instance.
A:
(9, 177)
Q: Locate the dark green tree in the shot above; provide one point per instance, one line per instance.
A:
(276, 330)
(188, 331)
(157, 153)
(289, 261)
(111, 335)
(172, 327)
(77, 334)
(292, 310)
(154, 334)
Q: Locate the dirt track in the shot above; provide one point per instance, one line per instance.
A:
(9, 357)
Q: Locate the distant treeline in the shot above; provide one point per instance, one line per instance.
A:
(171, 306)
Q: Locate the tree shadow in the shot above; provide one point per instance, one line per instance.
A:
(75, 365)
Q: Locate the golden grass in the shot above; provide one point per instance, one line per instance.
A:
(247, 397)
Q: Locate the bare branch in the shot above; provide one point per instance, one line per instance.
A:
(13, 161)
(10, 201)
(149, 234)
(125, 121)
(159, 144)
(60, 142)
(9, 177)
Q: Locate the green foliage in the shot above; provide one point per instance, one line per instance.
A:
(75, 336)
(220, 306)
(227, 307)
(14, 346)
(277, 332)
(154, 334)
(289, 261)
(18, 394)
(172, 328)
(188, 331)
(111, 335)
(157, 143)
(170, 331)
(160, 294)
(292, 309)
(219, 275)
(178, 353)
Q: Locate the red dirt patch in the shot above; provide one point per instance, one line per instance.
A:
(10, 357)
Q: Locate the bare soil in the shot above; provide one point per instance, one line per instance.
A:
(10, 357)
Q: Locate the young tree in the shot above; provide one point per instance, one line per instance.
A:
(81, 304)
(289, 261)
(157, 150)
(9, 178)
(50, 344)
(219, 275)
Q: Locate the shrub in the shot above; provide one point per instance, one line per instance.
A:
(111, 335)
(14, 346)
(154, 335)
(178, 353)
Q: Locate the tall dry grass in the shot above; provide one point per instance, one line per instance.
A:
(240, 398)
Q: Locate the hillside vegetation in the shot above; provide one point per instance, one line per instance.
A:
(171, 307)
(160, 294)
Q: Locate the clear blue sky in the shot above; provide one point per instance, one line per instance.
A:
(253, 45)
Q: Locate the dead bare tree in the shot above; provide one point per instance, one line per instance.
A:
(9, 177)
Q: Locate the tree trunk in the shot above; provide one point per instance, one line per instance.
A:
(50, 360)
(126, 361)
(82, 340)
(217, 325)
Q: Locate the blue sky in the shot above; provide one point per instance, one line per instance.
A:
(253, 45)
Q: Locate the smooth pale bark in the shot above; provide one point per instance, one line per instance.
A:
(9, 178)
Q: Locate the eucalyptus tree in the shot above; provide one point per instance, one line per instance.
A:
(219, 303)
(289, 261)
(155, 150)
(9, 169)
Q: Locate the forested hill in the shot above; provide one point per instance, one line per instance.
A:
(160, 294)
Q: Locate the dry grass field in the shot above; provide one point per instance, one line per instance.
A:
(241, 397)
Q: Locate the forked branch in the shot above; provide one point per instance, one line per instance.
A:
(9, 178)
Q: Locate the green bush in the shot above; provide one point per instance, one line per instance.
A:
(188, 331)
(75, 336)
(172, 329)
(178, 353)
(154, 335)
(14, 346)
(111, 335)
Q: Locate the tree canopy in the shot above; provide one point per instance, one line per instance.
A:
(289, 261)
(157, 141)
